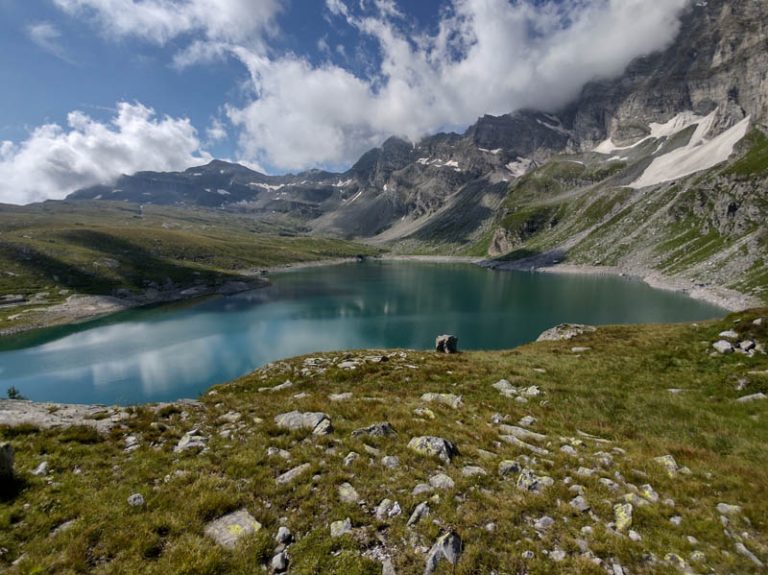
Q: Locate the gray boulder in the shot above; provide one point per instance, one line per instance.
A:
(447, 344)
(722, 346)
(383, 429)
(227, 530)
(434, 446)
(317, 422)
(565, 332)
(448, 547)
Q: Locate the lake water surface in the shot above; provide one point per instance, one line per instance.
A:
(176, 352)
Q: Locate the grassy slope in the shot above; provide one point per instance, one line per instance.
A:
(60, 248)
(617, 390)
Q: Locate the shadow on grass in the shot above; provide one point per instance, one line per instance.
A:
(138, 266)
(11, 488)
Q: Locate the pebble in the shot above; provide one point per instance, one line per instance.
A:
(136, 500)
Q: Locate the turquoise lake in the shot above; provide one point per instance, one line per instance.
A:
(174, 352)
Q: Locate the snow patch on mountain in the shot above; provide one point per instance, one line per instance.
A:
(700, 154)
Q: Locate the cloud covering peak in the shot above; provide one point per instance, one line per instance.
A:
(54, 160)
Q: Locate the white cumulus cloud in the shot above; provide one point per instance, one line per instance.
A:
(487, 56)
(163, 20)
(54, 161)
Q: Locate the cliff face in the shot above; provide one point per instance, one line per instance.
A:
(719, 59)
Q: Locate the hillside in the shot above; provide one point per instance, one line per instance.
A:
(63, 261)
(624, 450)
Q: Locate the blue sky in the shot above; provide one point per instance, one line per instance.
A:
(96, 88)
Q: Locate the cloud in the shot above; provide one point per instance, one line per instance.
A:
(163, 20)
(487, 56)
(55, 161)
(48, 37)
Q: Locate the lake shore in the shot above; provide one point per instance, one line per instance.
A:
(80, 308)
(725, 298)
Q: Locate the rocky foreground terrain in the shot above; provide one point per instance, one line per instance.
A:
(618, 450)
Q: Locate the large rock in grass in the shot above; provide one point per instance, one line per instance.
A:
(6, 462)
(434, 446)
(448, 547)
(565, 332)
(447, 344)
(227, 530)
(317, 422)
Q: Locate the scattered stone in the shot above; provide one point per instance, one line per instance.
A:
(742, 550)
(726, 509)
(473, 471)
(676, 520)
(730, 334)
(447, 344)
(453, 401)
(580, 349)
(623, 516)
(669, 464)
(227, 530)
(388, 509)
(692, 540)
(275, 452)
(441, 481)
(448, 547)
(231, 417)
(532, 391)
(585, 472)
(319, 423)
(370, 450)
(649, 493)
(434, 446)
(131, 443)
(285, 385)
(421, 510)
(565, 332)
(747, 345)
(751, 398)
(340, 528)
(505, 388)
(421, 488)
(543, 523)
(507, 467)
(529, 481)
(634, 536)
(6, 462)
(390, 461)
(527, 555)
(557, 555)
(520, 433)
(136, 500)
(348, 494)
(609, 483)
(279, 563)
(723, 347)
(41, 469)
(284, 535)
(340, 396)
(424, 412)
(677, 561)
(580, 504)
(192, 440)
(383, 429)
(604, 459)
(523, 445)
(351, 457)
(527, 421)
(568, 450)
(292, 474)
